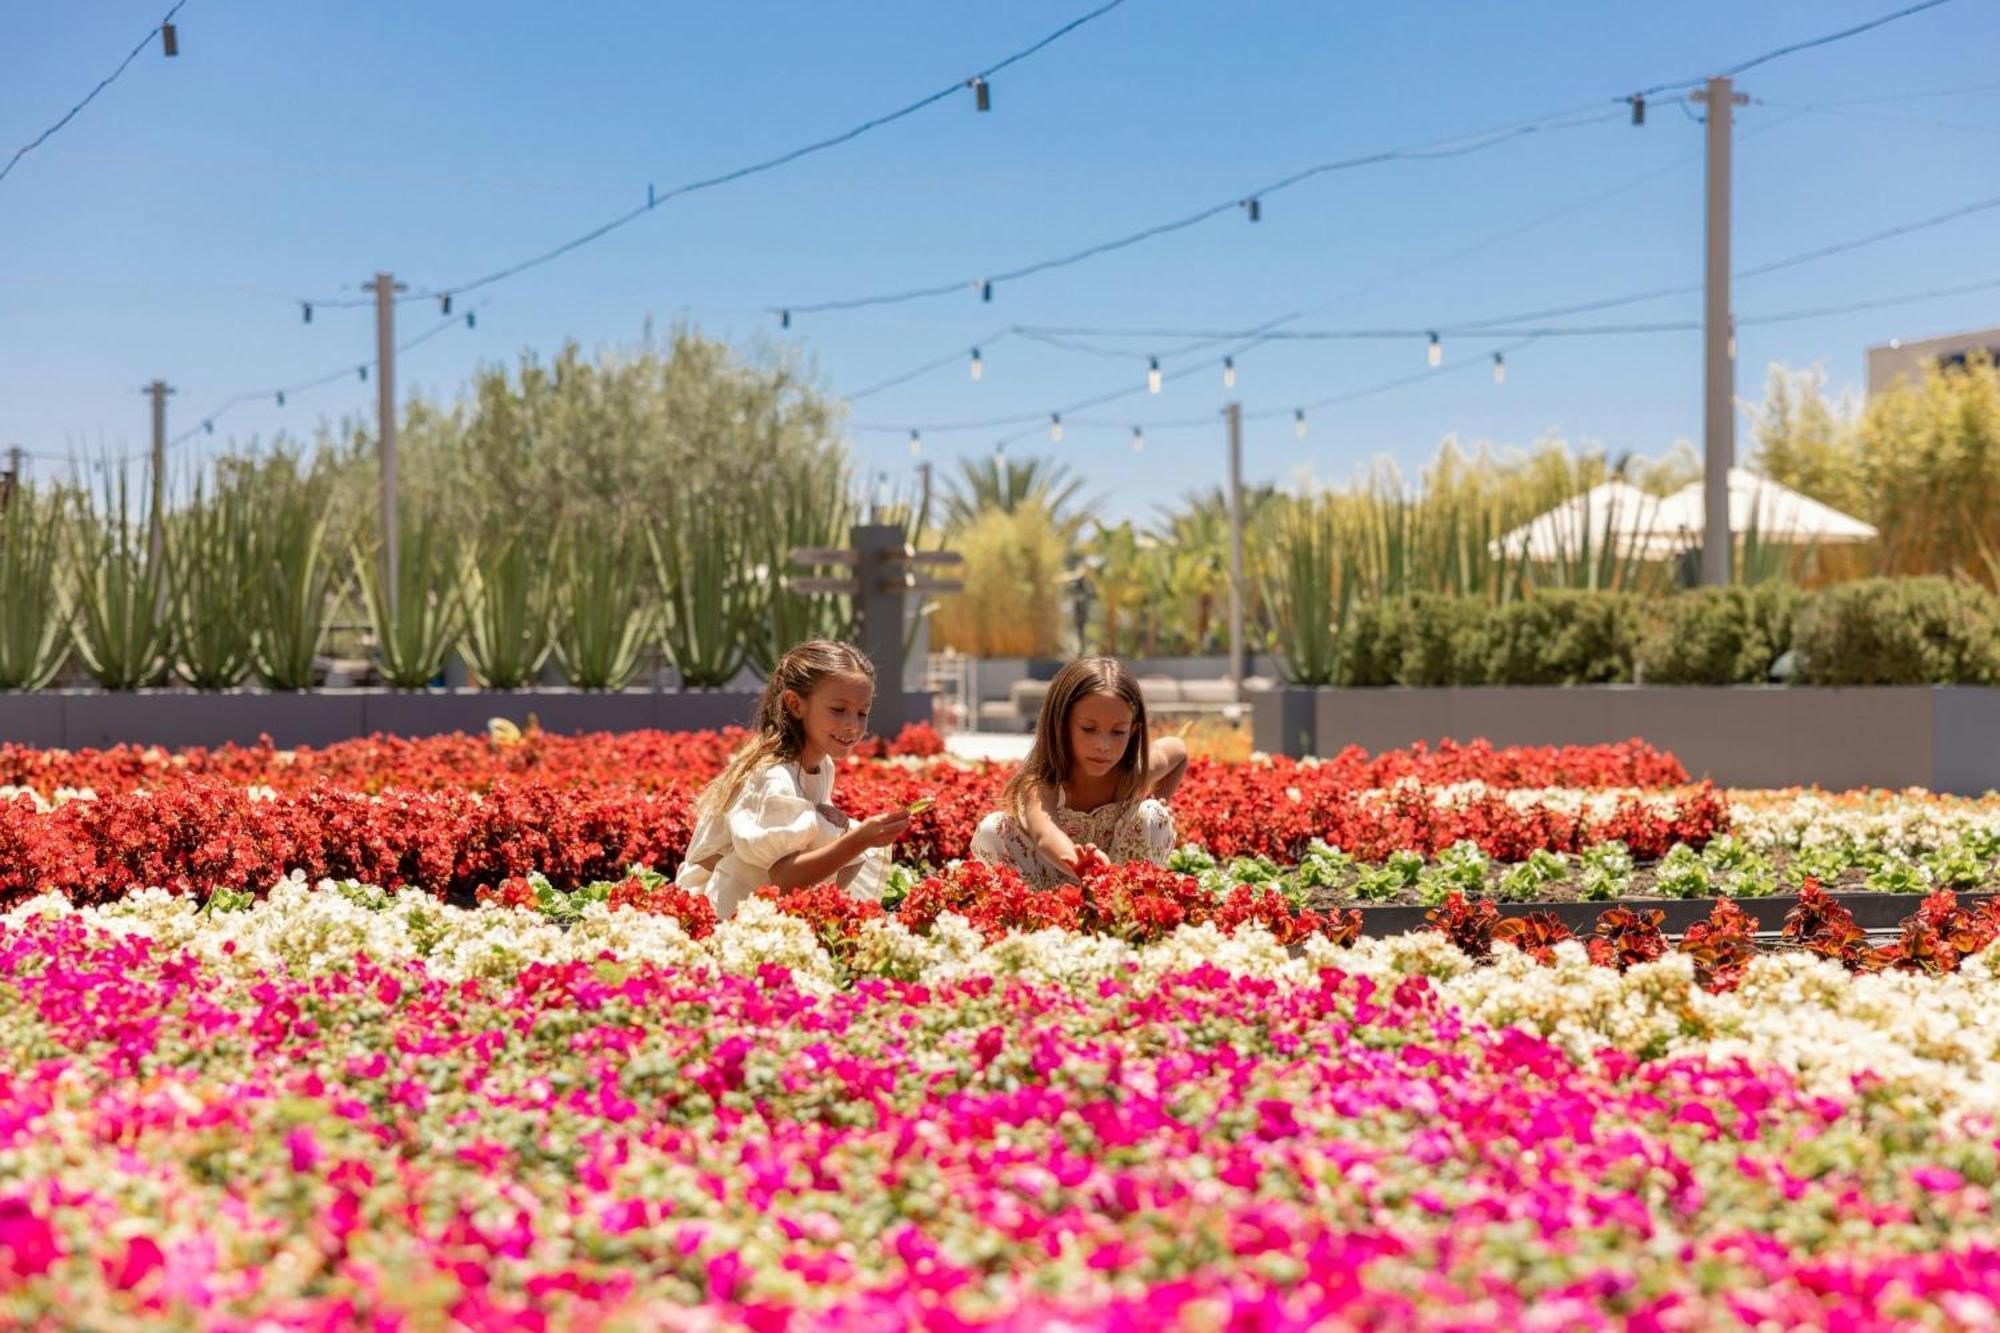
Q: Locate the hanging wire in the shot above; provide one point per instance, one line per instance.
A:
(91, 96)
(656, 198)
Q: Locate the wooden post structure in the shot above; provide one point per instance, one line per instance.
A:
(885, 575)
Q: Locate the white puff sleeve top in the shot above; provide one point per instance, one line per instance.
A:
(775, 815)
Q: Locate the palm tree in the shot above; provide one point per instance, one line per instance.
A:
(1195, 542)
(1009, 484)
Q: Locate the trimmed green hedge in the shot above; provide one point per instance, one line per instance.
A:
(1920, 631)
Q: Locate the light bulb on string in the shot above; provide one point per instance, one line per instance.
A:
(444, 303)
(170, 39)
(1153, 375)
(362, 371)
(986, 292)
(1138, 440)
(982, 96)
(1299, 423)
(1228, 372)
(1255, 208)
(306, 309)
(472, 319)
(1437, 351)
(1499, 368)
(784, 319)
(281, 398)
(916, 443)
(978, 366)
(1055, 428)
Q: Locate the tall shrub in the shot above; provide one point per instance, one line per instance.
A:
(1012, 600)
(1918, 631)
(209, 547)
(509, 592)
(1718, 636)
(603, 620)
(123, 632)
(293, 577)
(1309, 591)
(34, 609)
(416, 630)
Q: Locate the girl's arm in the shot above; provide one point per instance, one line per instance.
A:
(1166, 765)
(803, 869)
(1049, 840)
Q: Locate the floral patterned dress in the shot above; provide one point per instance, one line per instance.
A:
(1142, 831)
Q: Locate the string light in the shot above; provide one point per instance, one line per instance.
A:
(784, 319)
(281, 398)
(1437, 351)
(170, 40)
(362, 371)
(986, 291)
(1138, 440)
(1255, 208)
(1153, 375)
(1638, 101)
(306, 309)
(472, 319)
(982, 96)
(916, 443)
(1055, 428)
(978, 366)
(1499, 368)
(444, 303)
(208, 427)
(1228, 372)
(1299, 423)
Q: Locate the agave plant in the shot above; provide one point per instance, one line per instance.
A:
(709, 595)
(509, 608)
(293, 573)
(808, 504)
(602, 620)
(210, 545)
(1309, 589)
(417, 629)
(122, 629)
(34, 614)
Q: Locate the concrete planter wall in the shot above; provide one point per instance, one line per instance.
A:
(1945, 738)
(74, 719)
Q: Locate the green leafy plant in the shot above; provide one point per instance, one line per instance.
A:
(806, 505)
(209, 550)
(702, 556)
(122, 629)
(509, 608)
(1525, 881)
(1309, 592)
(416, 631)
(1899, 874)
(1823, 862)
(1718, 636)
(602, 621)
(35, 616)
(1681, 874)
(293, 577)
(1917, 631)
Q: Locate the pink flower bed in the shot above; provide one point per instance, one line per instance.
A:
(620, 1145)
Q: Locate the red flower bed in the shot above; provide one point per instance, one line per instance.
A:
(455, 814)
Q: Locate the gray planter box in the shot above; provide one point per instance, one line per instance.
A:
(75, 719)
(1944, 738)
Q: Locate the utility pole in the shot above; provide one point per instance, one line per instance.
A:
(1235, 411)
(386, 288)
(158, 390)
(1718, 341)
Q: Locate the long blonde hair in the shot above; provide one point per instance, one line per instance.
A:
(1048, 762)
(779, 737)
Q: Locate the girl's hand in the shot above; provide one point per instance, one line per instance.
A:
(881, 830)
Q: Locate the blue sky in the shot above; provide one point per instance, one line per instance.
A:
(291, 150)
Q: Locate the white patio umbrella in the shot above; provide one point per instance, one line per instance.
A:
(1613, 514)
(1780, 514)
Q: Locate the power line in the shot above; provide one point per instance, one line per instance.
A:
(164, 26)
(1249, 201)
(976, 82)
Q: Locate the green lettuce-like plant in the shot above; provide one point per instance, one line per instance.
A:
(35, 615)
(602, 620)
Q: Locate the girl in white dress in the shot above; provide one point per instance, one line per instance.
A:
(770, 818)
(1092, 778)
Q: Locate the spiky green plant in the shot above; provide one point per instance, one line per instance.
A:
(122, 630)
(1310, 590)
(210, 545)
(416, 631)
(703, 557)
(1593, 556)
(807, 504)
(509, 607)
(603, 620)
(35, 614)
(294, 577)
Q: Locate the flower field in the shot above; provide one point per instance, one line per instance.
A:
(418, 1034)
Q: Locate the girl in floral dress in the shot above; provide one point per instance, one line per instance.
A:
(770, 818)
(1092, 779)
